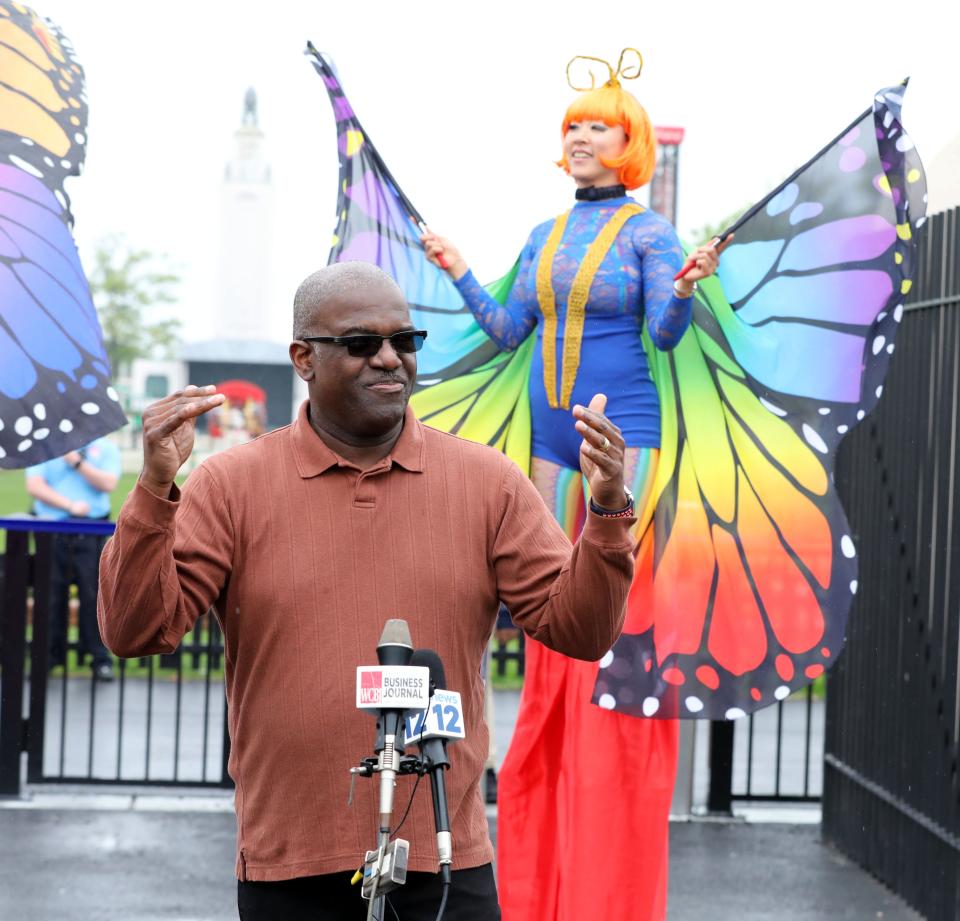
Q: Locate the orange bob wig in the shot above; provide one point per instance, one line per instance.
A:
(615, 106)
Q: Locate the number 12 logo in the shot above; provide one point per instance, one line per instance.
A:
(443, 719)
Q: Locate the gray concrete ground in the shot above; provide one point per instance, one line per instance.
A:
(104, 864)
(105, 854)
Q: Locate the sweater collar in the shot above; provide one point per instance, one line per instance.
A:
(314, 457)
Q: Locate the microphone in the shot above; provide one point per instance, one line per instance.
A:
(395, 648)
(389, 689)
(434, 751)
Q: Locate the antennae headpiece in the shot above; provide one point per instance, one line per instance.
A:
(628, 68)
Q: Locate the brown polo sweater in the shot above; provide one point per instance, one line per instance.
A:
(304, 557)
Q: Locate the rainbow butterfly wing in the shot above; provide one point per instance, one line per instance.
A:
(55, 392)
(464, 384)
(745, 578)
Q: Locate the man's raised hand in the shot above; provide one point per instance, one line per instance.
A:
(601, 454)
(168, 432)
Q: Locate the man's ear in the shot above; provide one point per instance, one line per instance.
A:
(302, 357)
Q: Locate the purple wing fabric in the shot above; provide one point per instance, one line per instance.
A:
(55, 392)
(377, 223)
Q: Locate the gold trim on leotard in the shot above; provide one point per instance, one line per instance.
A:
(548, 307)
(576, 303)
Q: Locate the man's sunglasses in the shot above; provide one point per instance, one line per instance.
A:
(366, 345)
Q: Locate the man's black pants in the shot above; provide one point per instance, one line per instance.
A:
(473, 897)
(76, 559)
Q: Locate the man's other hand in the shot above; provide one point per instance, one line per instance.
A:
(601, 454)
(168, 432)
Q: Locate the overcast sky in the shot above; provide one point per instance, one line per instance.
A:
(464, 101)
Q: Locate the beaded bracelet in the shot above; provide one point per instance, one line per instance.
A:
(605, 513)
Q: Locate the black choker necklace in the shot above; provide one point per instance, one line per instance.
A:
(592, 193)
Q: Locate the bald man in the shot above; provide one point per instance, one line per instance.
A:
(304, 542)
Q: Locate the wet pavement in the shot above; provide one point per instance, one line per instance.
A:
(63, 862)
(98, 853)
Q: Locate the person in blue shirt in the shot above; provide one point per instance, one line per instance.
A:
(77, 485)
(587, 284)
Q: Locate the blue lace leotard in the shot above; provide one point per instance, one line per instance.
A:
(634, 281)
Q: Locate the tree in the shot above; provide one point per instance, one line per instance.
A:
(707, 232)
(126, 284)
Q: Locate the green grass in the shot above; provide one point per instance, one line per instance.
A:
(15, 501)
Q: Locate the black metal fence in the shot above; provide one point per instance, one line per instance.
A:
(775, 755)
(502, 653)
(161, 722)
(892, 790)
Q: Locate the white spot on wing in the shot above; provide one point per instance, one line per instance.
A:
(607, 659)
(91, 409)
(26, 167)
(23, 425)
(814, 439)
(650, 706)
(776, 410)
(846, 545)
(694, 704)
(878, 344)
(781, 692)
(734, 713)
(65, 425)
(607, 701)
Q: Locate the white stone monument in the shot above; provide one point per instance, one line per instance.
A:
(246, 238)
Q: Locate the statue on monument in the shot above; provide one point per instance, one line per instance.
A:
(250, 107)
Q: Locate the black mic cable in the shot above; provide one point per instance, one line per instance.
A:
(434, 754)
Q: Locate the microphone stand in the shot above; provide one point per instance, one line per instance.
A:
(394, 649)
